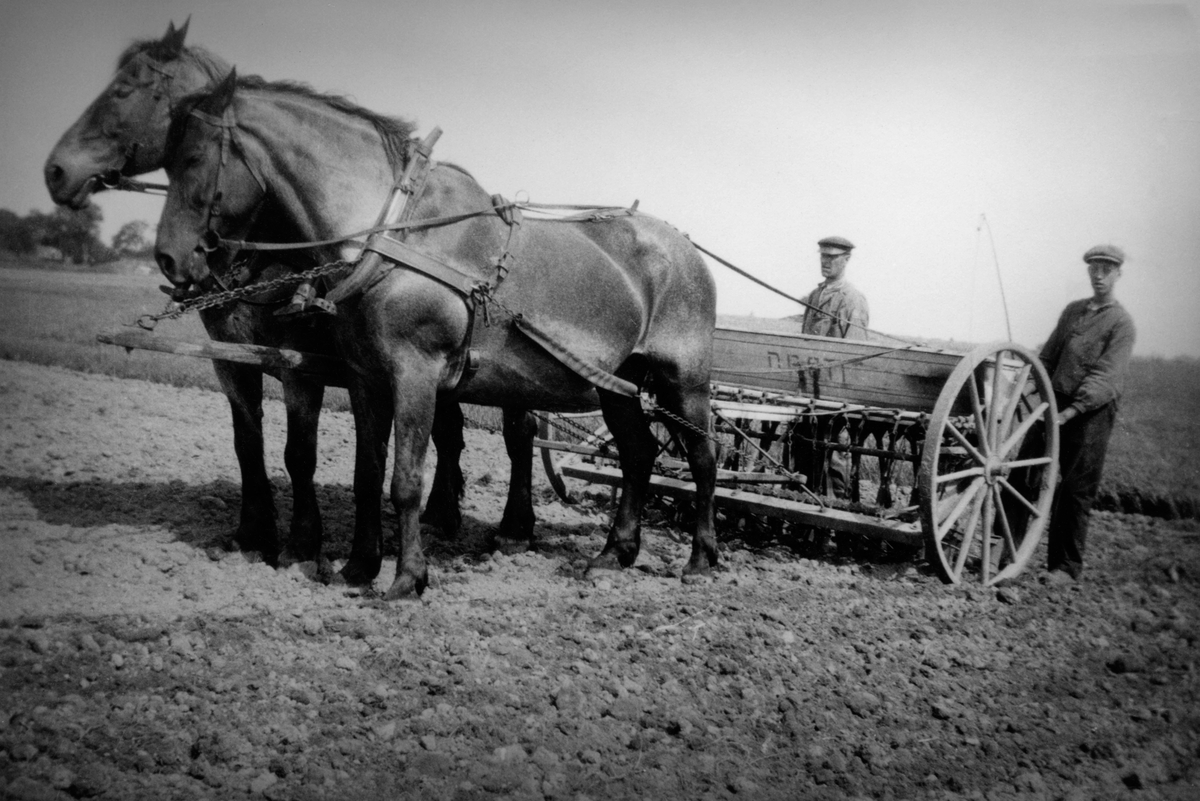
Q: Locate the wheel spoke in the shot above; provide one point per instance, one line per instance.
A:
(1022, 430)
(970, 471)
(1032, 509)
(949, 520)
(977, 409)
(968, 535)
(1006, 528)
(985, 536)
(993, 417)
(1037, 461)
(1014, 400)
(962, 440)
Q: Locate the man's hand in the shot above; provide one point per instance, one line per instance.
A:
(1067, 414)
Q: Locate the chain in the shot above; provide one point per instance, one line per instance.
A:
(175, 310)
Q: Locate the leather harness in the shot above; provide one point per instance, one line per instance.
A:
(476, 294)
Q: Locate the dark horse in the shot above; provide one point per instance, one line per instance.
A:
(123, 133)
(627, 295)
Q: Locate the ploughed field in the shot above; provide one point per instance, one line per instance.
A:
(138, 659)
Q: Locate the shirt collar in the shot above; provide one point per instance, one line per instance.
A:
(1092, 305)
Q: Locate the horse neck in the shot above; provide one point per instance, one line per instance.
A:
(325, 170)
(195, 73)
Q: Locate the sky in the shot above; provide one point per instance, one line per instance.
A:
(973, 151)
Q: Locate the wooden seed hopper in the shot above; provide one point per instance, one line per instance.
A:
(953, 451)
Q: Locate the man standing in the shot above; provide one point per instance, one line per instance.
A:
(835, 308)
(1087, 357)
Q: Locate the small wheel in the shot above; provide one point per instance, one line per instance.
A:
(989, 465)
(585, 431)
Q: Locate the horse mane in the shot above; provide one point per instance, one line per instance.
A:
(213, 66)
(394, 131)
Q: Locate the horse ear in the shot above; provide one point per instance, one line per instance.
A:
(222, 96)
(173, 39)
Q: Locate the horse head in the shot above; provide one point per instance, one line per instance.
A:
(215, 188)
(123, 131)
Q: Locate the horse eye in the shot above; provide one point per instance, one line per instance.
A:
(122, 90)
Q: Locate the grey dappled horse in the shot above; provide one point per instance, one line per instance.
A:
(628, 295)
(123, 132)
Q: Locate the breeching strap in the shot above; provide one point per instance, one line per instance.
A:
(601, 379)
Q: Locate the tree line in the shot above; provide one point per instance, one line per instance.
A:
(73, 235)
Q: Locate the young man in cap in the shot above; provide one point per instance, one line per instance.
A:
(834, 309)
(1087, 356)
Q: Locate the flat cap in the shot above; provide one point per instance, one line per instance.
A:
(836, 242)
(1110, 253)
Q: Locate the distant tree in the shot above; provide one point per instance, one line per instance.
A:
(16, 235)
(131, 239)
(76, 233)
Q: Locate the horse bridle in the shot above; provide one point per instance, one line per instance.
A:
(160, 86)
(210, 240)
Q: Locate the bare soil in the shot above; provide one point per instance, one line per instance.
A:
(140, 660)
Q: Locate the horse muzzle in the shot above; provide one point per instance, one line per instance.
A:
(190, 271)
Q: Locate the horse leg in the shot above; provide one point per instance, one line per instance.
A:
(256, 524)
(637, 448)
(693, 407)
(516, 527)
(442, 509)
(372, 407)
(414, 413)
(302, 397)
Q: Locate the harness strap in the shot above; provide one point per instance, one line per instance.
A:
(227, 122)
(601, 379)
(407, 256)
(369, 269)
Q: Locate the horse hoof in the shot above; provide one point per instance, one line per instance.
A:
(698, 569)
(607, 560)
(406, 588)
(289, 557)
(510, 547)
(360, 572)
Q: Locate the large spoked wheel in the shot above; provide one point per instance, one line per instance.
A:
(989, 466)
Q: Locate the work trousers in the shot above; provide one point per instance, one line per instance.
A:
(1082, 446)
(827, 471)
